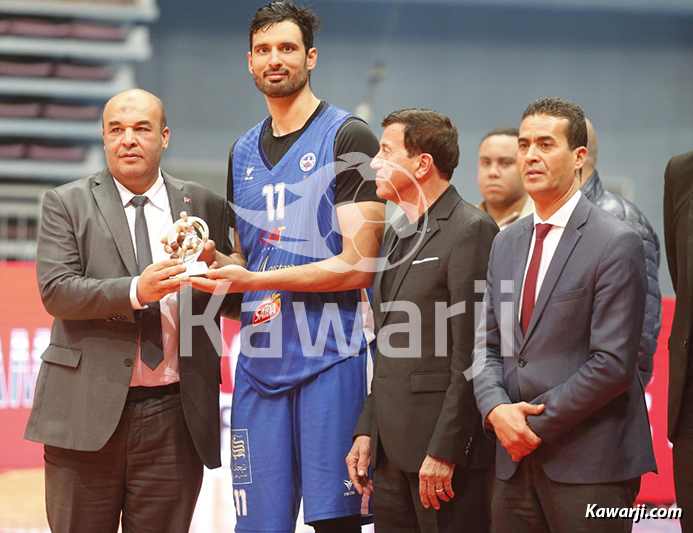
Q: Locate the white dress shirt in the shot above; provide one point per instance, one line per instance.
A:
(157, 211)
(558, 220)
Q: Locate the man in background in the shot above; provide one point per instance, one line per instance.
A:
(500, 183)
(593, 189)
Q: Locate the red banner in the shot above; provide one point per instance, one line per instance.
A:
(24, 334)
(659, 488)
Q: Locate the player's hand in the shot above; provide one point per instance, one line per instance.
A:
(435, 481)
(235, 277)
(154, 283)
(357, 460)
(509, 421)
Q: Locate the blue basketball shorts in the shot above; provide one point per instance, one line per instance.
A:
(294, 445)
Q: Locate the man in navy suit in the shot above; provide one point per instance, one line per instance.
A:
(556, 380)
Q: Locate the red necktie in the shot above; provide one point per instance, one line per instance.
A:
(530, 289)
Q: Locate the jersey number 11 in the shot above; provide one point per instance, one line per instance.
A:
(268, 191)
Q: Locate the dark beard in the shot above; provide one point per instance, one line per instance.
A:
(287, 87)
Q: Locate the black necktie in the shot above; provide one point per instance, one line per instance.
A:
(151, 350)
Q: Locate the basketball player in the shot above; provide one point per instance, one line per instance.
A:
(304, 228)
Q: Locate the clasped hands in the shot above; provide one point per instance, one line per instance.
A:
(509, 421)
(435, 475)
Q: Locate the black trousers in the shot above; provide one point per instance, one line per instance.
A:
(149, 471)
(530, 502)
(683, 473)
(397, 507)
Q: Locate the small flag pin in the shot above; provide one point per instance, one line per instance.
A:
(187, 200)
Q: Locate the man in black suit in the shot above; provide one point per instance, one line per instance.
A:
(128, 415)
(420, 424)
(678, 228)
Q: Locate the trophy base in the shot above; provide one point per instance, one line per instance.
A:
(198, 268)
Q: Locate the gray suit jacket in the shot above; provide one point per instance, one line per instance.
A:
(580, 351)
(86, 262)
(423, 404)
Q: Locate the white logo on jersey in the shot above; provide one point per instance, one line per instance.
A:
(248, 173)
(308, 161)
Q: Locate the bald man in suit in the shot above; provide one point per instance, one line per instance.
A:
(127, 414)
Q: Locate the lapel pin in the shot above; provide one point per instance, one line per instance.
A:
(187, 200)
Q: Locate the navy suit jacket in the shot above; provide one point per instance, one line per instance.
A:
(579, 354)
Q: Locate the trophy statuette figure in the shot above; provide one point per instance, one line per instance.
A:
(187, 238)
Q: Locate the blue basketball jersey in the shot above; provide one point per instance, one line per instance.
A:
(286, 217)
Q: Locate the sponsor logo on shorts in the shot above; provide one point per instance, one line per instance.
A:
(240, 457)
(266, 311)
(350, 487)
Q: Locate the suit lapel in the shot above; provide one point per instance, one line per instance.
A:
(521, 251)
(111, 207)
(382, 263)
(429, 230)
(109, 202)
(571, 235)
(176, 197)
(441, 211)
(177, 202)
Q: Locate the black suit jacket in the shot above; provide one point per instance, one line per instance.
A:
(85, 264)
(678, 230)
(423, 404)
